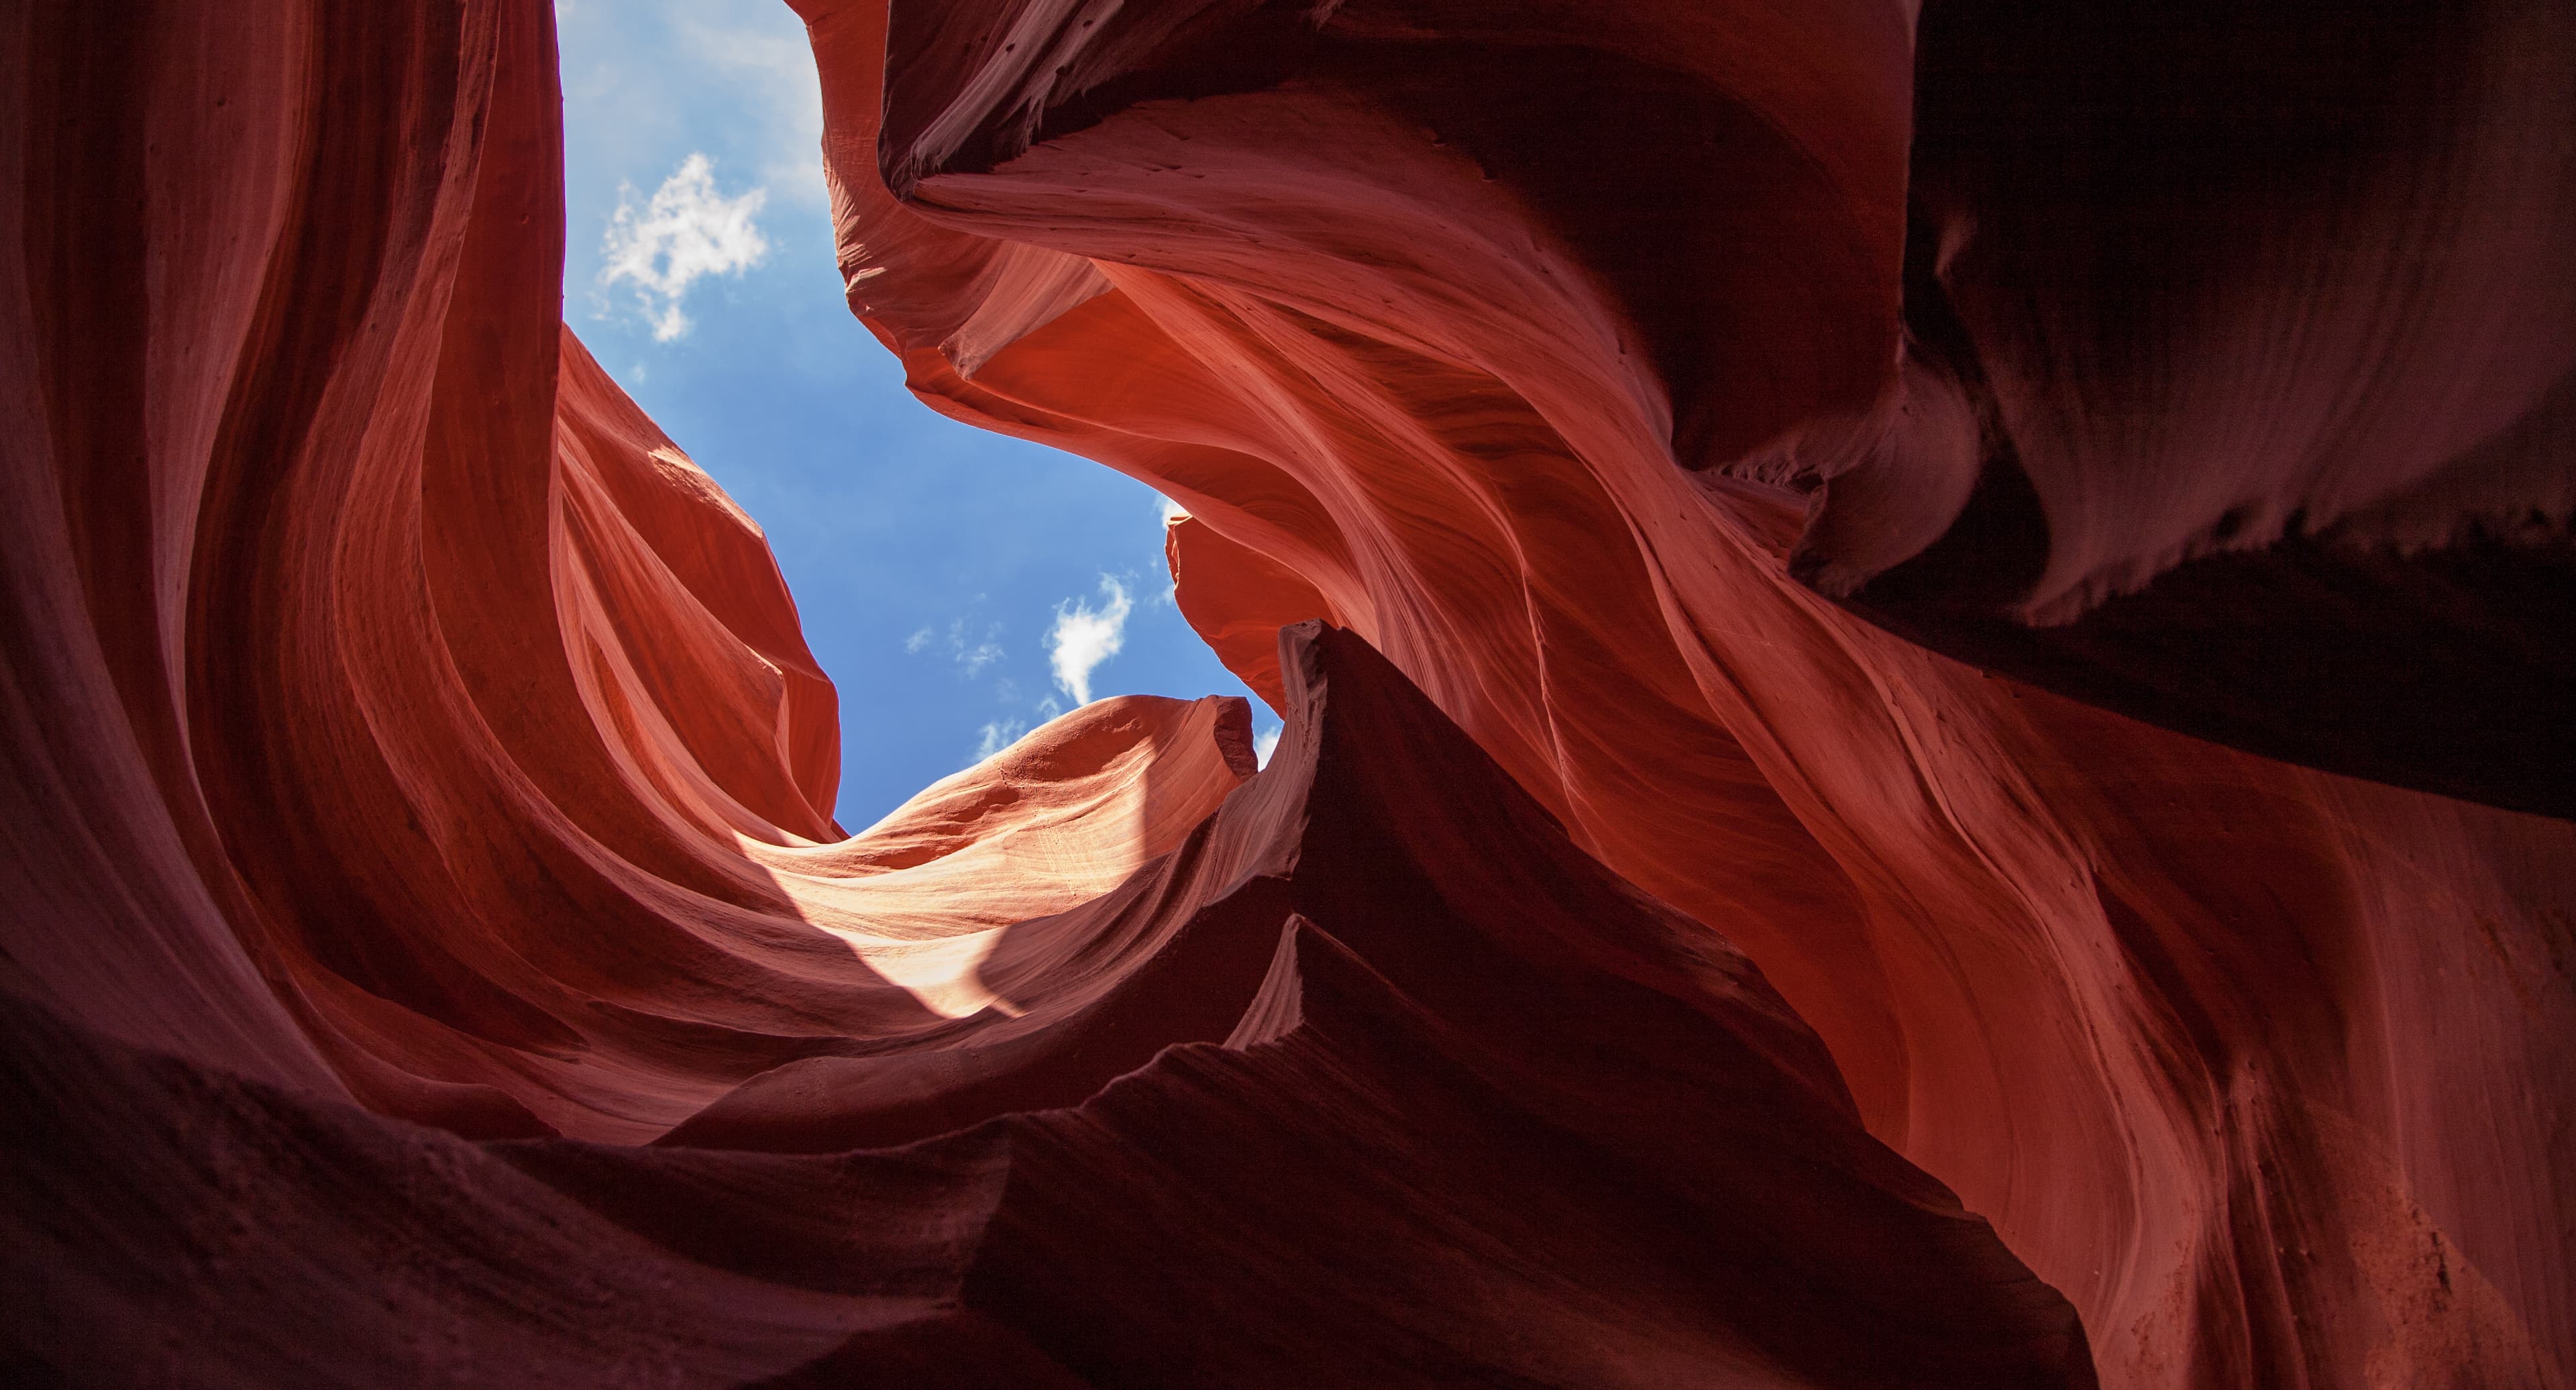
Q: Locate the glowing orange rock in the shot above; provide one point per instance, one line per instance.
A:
(1557, 354)
(394, 717)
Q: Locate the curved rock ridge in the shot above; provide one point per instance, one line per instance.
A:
(1629, 373)
(1539, 1128)
(2219, 372)
(399, 715)
(396, 717)
(424, 926)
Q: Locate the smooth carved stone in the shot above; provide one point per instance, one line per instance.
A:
(427, 956)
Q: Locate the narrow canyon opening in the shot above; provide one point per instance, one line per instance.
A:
(1888, 708)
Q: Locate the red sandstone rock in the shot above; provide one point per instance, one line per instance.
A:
(1518, 334)
(426, 958)
(1205, 1100)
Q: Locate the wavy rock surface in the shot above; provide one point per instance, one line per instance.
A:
(422, 923)
(1133, 1175)
(2209, 371)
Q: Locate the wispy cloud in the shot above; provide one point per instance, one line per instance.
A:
(998, 735)
(972, 657)
(972, 654)
(1264, 743)
(1083, 637)
(774, 75)
(686, 231)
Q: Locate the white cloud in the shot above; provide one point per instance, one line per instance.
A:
(1172, 511)
(998, 735)
(1083, 637)
(686, 231)
(1264, 743)
(972, 657)
(912, 645)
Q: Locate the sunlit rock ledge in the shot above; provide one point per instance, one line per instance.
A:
(1924, 658)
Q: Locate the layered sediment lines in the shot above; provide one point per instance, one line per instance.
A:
(1202, 1100)
(424, 919)
(2211, 371)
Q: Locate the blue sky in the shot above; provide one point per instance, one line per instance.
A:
(954, 584)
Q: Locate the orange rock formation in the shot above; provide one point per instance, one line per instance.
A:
(427, 958)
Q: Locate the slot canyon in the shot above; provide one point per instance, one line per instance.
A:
(1927, 647)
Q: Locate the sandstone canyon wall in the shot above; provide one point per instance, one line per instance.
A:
(1652, 957)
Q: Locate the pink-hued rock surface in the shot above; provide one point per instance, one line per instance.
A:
(1607, 433)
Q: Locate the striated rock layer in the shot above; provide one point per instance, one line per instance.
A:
(1505, 1121)
(428, 959)
(2210, 367)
